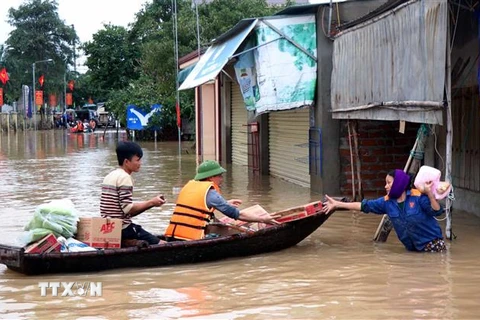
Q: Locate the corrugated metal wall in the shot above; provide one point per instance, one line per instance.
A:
(395, 59)
(239, 128)
(288, 145)
(466, 139)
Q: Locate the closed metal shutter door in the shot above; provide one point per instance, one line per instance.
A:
(288, 143)
(239, 127)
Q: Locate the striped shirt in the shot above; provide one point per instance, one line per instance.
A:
(116, 200)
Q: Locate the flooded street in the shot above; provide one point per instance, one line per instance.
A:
(336, 273)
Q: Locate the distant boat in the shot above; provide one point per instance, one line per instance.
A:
(233, 241)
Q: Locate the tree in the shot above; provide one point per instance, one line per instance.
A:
(153, 31)
(111, 60)
(38, 34)
(137, 66)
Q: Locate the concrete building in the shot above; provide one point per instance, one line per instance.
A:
(299, 145)
(333, 145)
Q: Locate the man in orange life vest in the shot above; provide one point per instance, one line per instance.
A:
(198, 200)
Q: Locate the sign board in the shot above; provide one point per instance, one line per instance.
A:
(138, 119)
(38, 97)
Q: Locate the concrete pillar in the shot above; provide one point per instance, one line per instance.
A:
(326, 179)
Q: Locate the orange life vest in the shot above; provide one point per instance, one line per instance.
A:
(191, 214)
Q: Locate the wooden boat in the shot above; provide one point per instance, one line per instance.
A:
(233, 241)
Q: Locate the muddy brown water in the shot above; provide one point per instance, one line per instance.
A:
(336, 273)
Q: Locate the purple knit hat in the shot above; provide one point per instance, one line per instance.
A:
(400, 184)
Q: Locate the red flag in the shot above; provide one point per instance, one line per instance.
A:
(41, 80)
(179, 119)
(71, 85)
(4, 76)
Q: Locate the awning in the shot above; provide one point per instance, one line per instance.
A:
(217, 56)
(392, 66)
(183, 74)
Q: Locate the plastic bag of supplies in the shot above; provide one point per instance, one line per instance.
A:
(58, 217)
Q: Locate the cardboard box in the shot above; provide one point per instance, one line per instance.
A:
(45, 245)
(299, 212)
(100, 232)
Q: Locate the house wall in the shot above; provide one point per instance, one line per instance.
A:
(465, 113)
(208, 118)
(382, 148)
(325, 180)
(328, 179)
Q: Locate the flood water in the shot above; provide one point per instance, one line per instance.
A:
(336, 273)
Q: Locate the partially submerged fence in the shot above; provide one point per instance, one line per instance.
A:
(14, 121)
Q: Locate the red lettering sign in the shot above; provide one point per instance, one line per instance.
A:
(38, 97)
(107, 227)
(69, 99)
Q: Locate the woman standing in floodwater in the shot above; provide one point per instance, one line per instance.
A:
(411, 212)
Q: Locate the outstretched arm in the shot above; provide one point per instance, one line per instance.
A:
(252, 217)
(331, 205)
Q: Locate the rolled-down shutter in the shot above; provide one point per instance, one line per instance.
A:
(288, 144)
(239, 128)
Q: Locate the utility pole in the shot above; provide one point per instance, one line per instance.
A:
(199, 88)
(34, 105)
(177, 104)
(74, 53)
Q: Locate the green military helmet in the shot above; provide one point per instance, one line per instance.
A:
(209, 168)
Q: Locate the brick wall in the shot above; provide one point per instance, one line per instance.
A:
(381, 149)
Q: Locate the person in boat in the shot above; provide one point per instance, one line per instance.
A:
(92, 125)
(411, 212)
(78, 127)
(117, 192)
(197, 201)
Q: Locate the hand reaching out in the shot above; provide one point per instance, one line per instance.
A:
(330, 205)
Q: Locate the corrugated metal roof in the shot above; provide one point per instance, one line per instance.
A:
(307, 8)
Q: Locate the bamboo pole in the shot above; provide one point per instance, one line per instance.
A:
(351, 161)
(357, 160)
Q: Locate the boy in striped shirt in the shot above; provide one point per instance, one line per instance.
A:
(117, 191)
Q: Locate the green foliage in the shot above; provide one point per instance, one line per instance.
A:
(126, 66)
(38, 34)
(112, 60)
(153, 32)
